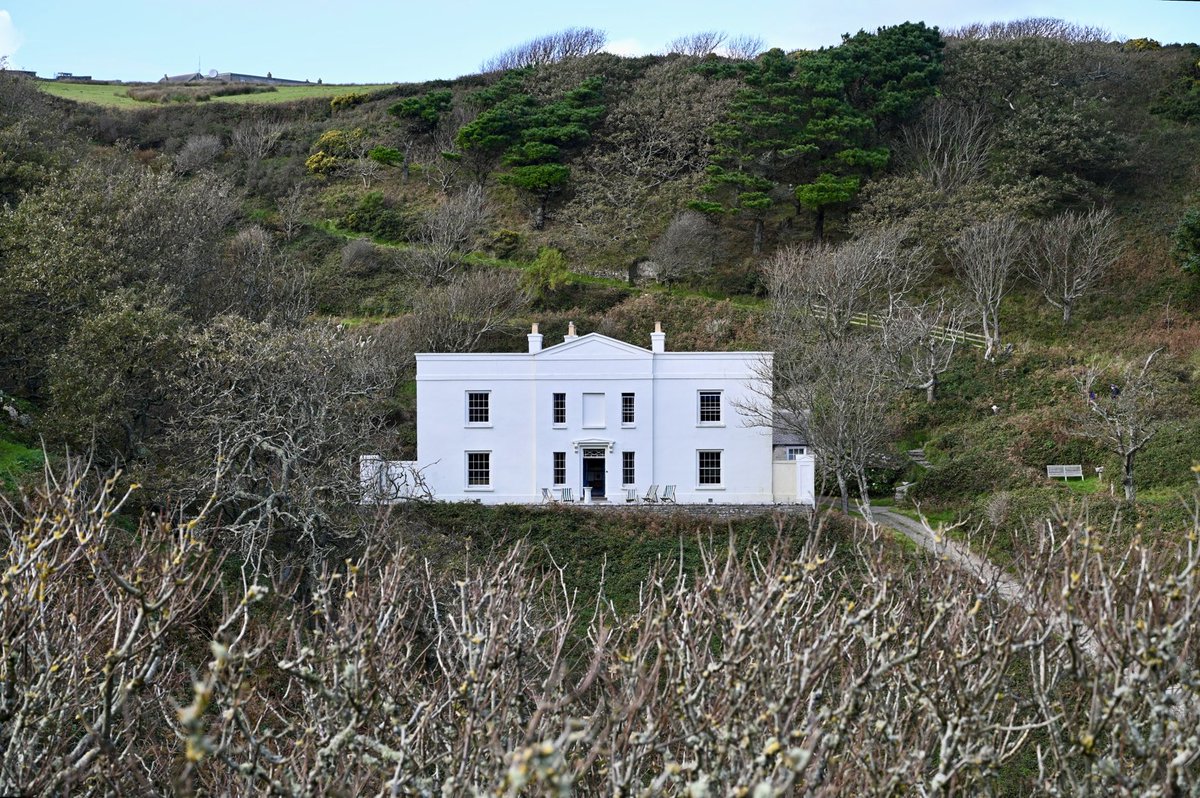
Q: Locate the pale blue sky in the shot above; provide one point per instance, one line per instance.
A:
(366, 41)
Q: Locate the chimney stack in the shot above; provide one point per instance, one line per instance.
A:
(570, 336)
(535, 340)
(658, 339)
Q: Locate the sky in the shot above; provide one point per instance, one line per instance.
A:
(390, 41)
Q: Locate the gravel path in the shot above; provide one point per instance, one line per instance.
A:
(987, 572)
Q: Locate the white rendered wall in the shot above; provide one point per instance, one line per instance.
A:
(521, 437)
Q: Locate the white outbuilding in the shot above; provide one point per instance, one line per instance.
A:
(595, 420)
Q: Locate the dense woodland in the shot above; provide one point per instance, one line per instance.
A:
(983, 244)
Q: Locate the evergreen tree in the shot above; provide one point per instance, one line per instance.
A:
(813, 121)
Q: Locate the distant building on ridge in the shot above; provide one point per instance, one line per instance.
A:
(231, 77)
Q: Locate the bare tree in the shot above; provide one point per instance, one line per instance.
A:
(291, 207)
(689, 247)
(441, 160)
(91, 619)
(1039, 27)
(1125, 414)
(986, 257)
(1072, 252)
(832, 666)
(921, 340)
(948, 145)
(281, 414)
(697, 45)
(456, 315)
(549, 49)
(254, 279)
(654, 139)
(838, 286)
(835, 394)
(199, 152)
(445, 233)
(256, 139)
(744, 47)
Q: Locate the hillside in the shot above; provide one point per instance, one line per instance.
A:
(968, 253)
(609, 191)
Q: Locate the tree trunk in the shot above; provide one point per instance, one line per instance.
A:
(931, 390)
(819, 227)
(845, 492)
(1066, 313)
(1127, 478)
(864, 495)
(991, 333)
(539, 215)
(758, 235)
(404, 170)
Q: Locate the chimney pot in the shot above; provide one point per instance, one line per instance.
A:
(658, 338)
(535, 340)
(570, 336)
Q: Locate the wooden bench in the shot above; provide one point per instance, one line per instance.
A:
(1064, 471)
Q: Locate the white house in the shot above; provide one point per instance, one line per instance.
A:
(598, 420)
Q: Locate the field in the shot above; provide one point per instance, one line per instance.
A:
(113, 95)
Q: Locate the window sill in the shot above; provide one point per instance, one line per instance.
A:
(479, 489)
(595, 426)
(629, 426)
(710, 423)
(558, 426)
(710, 487)
(478, 425)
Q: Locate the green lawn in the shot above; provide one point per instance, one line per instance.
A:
(113, 95)
(95, 93)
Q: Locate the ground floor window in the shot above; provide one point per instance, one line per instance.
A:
(709, 463)
(479, 469)
(628, 475)
(560, 468)
(794, 451)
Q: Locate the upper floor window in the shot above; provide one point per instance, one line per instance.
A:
(479, 407)
(628, 409)
(710, 407)
(560, 408)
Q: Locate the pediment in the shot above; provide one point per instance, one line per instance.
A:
(594, 346)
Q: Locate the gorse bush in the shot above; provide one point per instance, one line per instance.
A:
(375, 214)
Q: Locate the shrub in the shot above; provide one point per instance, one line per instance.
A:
(546, 274)
(1186, 242)
(1140, 45)
(360, 257)
(966, 475)
(320, 163)
(688, 249)
(376, 215)
(199, 152)
(506, 243)
(344, 101)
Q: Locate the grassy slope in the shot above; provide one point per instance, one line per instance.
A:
(16, 459)
(608, 551)
(113, 95)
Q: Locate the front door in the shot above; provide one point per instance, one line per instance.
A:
(593, 471)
